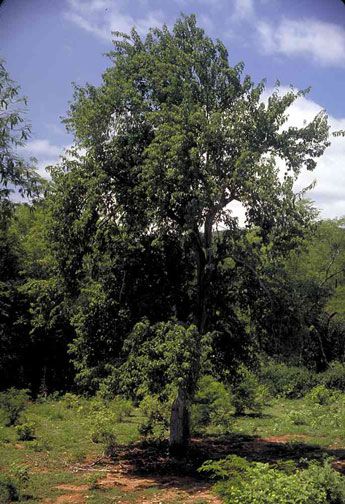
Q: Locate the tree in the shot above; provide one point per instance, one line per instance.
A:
(15, 172)
(173, 136)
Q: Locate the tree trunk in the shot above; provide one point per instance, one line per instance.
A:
(179, 425)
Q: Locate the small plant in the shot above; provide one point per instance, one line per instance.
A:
(110, 444)
(25, 431)
(8, 490)
(102, 430)
(212, 405)
(334, 376)
(157, 415)
(38, 446)
(20, 473)
(13, 402)
(123, 408)
(320, 395)
(247, 393)
(243, 482)
(298, 417)
(71, 401)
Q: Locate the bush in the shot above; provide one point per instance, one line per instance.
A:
(212, 404)
(13, 402)
(242, 482)
(320, 395)
(123, 408)
(157, 417)
(102, 423)
(247, 393)
(25, 431)
(301, 417)
(8, 490)
(287, 381)
(334, 376)
(71, 401)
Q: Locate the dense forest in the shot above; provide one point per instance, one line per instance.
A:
(127, 279)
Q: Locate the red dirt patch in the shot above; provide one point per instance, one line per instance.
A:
(284, 439)
(186, 489)
(73, 488)
(76, 498)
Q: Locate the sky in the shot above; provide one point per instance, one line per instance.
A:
(49, 44)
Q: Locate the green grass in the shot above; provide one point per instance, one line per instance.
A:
(320, 425)
(64, 440)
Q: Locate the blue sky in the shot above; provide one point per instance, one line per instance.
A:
(47, 44)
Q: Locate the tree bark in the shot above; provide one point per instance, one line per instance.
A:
(179, 425)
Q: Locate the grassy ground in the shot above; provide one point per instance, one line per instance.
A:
(63, 463)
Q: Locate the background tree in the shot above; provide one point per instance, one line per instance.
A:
(173, 136)
(15, 172)
(16, 176)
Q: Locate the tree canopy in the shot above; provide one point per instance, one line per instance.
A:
(142, 222)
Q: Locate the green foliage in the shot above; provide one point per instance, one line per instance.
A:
(71, 401)
(14, 132)
(13, 402)
(8, 490)
(283, 380)
(247, 392)
(156, 417)
(320, 395)
(161, 357)
(258, 483)
(25, 431)
(300, 417)
(104, 415)
(212, 404)
(173, 135)
(334, 376)
(124, 408)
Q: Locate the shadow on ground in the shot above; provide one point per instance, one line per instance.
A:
(147, 473)
(153, 458)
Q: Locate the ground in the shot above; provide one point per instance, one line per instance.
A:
(63, 465)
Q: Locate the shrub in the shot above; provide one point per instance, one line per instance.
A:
(8, 490)
(212, 404)
(103, 434)
(242, 482)
(71, 401)
(287, 381)
(334, 376)
(301, 417)
(247, 393)
(38, 446)
(157, 417)
(123, 408)
(102, 423)
(110, 444)
(12, 403)
(320, 395)
(25, 431)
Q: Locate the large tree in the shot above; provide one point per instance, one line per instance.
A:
(16, 175)
(173, 136)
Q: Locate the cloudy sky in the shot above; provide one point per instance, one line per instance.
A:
(48, 44)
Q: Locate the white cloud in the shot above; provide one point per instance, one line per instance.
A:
(329, 174)
(42, 147)
(323, 42)
(101, 17)
(45, 152)
(243, 10)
